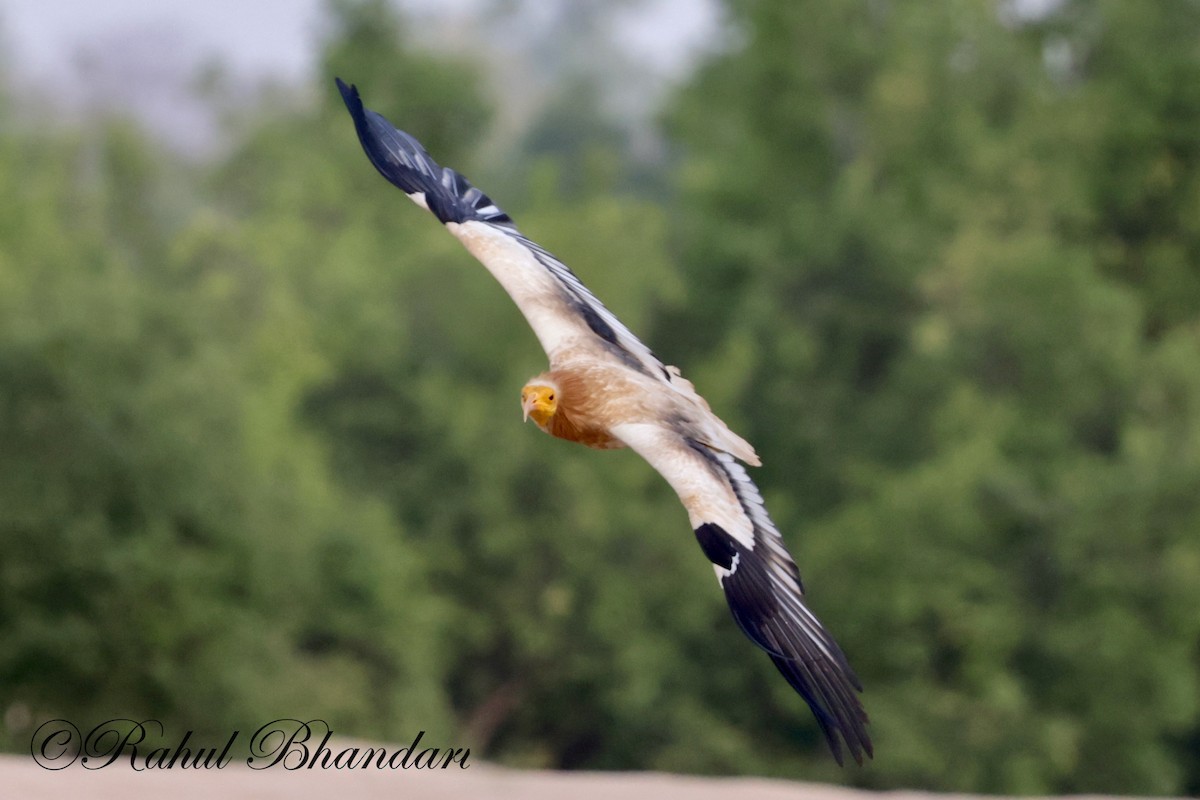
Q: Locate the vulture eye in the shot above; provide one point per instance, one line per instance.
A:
(551, 397)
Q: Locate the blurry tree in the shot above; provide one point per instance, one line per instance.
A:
(260, 450)
(891, 222)
(174, 545)
(1132, 81)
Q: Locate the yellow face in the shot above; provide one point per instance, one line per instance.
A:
(539, 403)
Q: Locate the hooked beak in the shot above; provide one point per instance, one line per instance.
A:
(527, 404)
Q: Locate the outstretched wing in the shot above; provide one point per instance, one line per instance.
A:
(567, 319)
(761, 582)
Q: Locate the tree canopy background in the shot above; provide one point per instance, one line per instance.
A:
(260, 453)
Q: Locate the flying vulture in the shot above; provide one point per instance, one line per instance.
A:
(605, 389)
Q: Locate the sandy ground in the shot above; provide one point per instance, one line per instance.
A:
(21, 778)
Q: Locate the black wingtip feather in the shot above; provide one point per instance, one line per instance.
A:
(841, 717)
(818, 672)
(404, 162)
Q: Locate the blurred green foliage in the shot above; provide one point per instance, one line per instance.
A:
(260, 452)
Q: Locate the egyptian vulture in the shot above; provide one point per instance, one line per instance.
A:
(605, 389)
